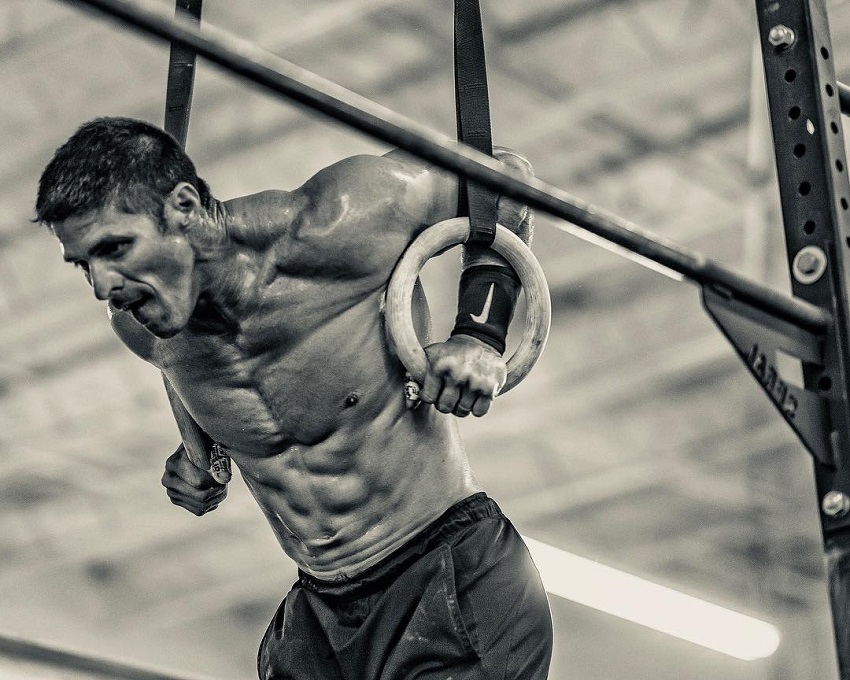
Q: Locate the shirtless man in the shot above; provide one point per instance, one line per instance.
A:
(265, 314)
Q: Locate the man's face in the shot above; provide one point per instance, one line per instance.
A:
(132, 263)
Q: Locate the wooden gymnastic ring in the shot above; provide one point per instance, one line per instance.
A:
(437, 238)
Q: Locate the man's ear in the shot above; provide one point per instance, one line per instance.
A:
(182, 206)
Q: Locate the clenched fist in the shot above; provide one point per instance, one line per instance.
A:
(191, 487)
(463, 376)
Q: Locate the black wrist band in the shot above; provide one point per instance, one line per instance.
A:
(487, 295)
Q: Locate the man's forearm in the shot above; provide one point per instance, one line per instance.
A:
(488, 291)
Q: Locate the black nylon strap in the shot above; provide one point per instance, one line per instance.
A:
(472, 105)
(178, 103)
(181, 77)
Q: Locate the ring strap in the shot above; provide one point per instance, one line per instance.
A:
(178, 103)
(181, 77)
(472, 106)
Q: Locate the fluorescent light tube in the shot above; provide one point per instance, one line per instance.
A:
(654, 606)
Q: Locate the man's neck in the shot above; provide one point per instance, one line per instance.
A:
(226, 272)
(212, 318)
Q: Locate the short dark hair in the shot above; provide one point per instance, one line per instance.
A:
(120, 162)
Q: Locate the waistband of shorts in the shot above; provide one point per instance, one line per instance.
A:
(444, 529)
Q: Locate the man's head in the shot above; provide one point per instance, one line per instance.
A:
(114, 162)
(122, 197)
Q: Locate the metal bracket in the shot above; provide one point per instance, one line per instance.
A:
(771, 349)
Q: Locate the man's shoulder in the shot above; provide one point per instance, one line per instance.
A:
(260, 219)
(359, 179)
(364, 174)
(339, 208)
(271, 199)
(369, 163)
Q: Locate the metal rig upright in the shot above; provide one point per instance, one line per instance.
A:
(805, 115)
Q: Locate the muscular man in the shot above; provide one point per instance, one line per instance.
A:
(265, 314)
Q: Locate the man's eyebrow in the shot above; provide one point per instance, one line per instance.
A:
(97, 244)
(75, 257)
(82, 224)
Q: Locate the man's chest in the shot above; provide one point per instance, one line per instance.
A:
(279, 377)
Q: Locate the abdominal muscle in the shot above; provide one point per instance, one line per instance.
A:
(340, 506)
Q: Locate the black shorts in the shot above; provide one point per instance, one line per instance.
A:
(462, 600)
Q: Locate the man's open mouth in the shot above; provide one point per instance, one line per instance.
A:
(133, 306)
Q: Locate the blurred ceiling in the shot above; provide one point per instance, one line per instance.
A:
(639, 441)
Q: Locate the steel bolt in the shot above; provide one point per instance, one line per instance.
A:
(781, 37)
(809, 264)
(835, 504)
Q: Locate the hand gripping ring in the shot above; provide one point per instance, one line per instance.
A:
(437, 238)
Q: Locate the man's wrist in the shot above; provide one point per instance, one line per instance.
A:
(473, 340)
(487, 296)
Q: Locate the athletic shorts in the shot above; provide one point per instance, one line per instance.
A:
(462, 601)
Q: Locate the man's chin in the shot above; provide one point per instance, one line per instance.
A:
(162, 330)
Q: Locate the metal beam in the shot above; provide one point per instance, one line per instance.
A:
(805, 114)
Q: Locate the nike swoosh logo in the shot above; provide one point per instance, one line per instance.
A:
(485, 312)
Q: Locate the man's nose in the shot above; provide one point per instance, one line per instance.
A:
(104, 280)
